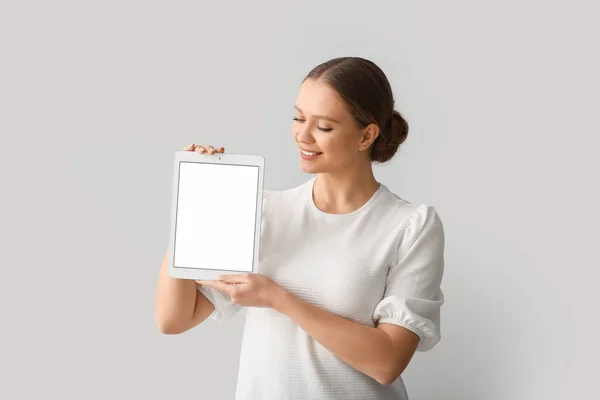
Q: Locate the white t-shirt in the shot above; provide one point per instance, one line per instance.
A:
(381, 263)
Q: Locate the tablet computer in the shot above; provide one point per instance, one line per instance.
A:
(215, 214)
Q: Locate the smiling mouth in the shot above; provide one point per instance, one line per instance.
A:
(310, 153)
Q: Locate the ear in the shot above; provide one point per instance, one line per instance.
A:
(370, 133)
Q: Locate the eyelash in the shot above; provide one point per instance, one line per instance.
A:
(321, 129)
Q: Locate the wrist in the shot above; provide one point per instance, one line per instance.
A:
(281, 300)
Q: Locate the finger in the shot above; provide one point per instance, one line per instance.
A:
(189, 148)
(233, 278)
(220, 286)
(207, 282)
(221, 150)
(200, 149)
(210, 149)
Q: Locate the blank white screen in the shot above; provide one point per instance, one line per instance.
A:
(215, 216)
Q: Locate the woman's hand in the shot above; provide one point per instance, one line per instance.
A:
(204, 149)
(248, 290)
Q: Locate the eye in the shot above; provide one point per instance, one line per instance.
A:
(319, 127)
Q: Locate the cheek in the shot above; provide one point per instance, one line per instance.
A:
(338, 146)
(330, 142)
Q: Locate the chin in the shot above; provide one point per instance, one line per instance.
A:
(308, 168)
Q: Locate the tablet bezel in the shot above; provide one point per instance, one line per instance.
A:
(223, 159)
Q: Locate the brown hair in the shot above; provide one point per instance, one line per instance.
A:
(365, 89)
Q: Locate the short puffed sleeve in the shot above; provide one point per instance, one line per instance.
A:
(413, 296)
(225, 308)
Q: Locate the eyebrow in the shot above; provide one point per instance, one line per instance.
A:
(319, 116)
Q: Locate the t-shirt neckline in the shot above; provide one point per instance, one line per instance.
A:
(362, 209)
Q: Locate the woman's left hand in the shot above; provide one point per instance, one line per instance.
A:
(248, 290)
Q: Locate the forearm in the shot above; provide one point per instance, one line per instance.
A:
(175, 300)
(365, 348)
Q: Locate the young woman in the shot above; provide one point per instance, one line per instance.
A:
(350, 276)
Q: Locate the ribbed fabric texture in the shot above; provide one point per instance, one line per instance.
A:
(381, 263)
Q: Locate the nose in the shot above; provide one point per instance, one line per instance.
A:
(303, 134)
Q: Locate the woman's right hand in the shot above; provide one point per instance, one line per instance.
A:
(204, 149)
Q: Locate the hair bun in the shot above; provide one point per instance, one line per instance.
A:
(399, 126)
(394, 134)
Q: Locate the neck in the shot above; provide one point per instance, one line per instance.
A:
(344, 192)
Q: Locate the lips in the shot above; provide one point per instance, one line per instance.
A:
(308, 157)
(311, 151)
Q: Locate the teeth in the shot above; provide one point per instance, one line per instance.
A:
(308, 153)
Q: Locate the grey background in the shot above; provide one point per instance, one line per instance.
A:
(502, 101)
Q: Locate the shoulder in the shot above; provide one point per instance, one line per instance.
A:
(406, 209)
(414, 218)
(285, 198)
